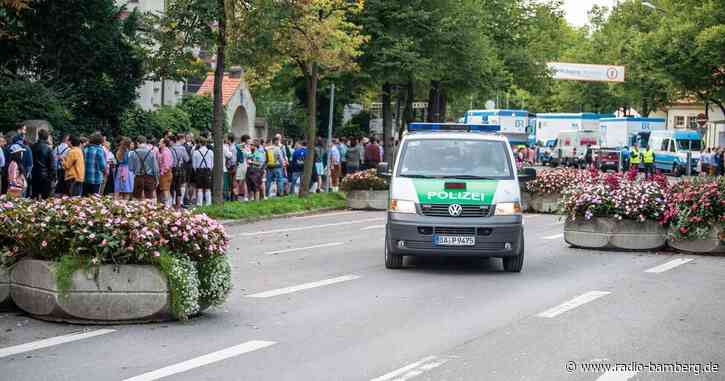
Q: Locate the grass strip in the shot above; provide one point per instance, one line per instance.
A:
(235, 210)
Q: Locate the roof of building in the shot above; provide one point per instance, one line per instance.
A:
(230, 86)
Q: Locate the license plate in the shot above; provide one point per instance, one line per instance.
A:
(609, 163)
(454, 240)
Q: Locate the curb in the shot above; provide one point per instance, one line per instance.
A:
(277, 216)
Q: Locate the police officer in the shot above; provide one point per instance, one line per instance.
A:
(648, 157)
(635, 157)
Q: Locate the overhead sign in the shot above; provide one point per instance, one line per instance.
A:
(586, 72)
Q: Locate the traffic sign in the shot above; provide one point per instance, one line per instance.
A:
(701, 119)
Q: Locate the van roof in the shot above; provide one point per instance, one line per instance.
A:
(456, 136)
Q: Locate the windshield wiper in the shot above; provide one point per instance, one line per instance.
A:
(421, 176)
(472, 177)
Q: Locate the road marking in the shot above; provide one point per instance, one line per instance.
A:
(304, 286)
(331, 244)
(371, 227)
(616, 375)
(309, 227)
(668, 266)
(412, 370)
(207, 359)
(556, 236)
(574, 303)
(323, 215)
(45, 343)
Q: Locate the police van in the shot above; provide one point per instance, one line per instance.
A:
(454, 191)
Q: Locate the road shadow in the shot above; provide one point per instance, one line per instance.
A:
(453, 265)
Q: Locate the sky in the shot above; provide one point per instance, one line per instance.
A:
(576, 10)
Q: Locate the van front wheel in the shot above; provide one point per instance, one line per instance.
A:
(516, 263)
(392, 261)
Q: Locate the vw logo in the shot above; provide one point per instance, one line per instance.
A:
(455, 210)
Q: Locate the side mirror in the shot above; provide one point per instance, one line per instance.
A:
(384, 170)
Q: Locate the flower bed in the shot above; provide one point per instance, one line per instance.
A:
(616, 212)
(85, 234)
(365, 190)
(696, 214)
(543, 193)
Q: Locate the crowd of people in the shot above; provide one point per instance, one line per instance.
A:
(175, 170)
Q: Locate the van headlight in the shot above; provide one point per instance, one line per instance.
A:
(507, 208)
(402, 206)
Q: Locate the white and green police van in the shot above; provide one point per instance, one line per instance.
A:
(454, 191)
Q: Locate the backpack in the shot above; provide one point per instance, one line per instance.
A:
(271, 158)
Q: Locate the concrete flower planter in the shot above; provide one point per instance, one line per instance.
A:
(541, 202)
(613, 234)
(711, 245)
(5, 300)
(367, 200)
(108, 294)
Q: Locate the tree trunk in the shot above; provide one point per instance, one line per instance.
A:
(387, 123)
(311, 133)
(408, 116)
(163, 91)
(442, 104)
(218, 120)
(433, 102)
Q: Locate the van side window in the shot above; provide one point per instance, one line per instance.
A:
(664, 144)
(673, 147)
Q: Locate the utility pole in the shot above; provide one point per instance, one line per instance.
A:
(329, 135)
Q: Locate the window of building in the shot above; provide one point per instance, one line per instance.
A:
(679, 121)
(692, 122)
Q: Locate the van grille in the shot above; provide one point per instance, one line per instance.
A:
(441, 210)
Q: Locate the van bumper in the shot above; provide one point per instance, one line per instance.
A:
(413, 234)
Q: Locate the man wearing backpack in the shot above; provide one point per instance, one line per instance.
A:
(275, 169)
(59, 153)
(297, 165)
(144, 165)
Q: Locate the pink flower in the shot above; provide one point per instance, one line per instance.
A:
(44, 244)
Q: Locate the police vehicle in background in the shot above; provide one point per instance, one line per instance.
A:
(454, 191)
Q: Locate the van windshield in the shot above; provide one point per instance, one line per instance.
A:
(449, 158)
(689, 145)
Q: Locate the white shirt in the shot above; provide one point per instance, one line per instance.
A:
(203, 158)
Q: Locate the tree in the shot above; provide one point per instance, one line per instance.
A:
(22, 100)
(317, 37)
(83, 46)
(688, 48)
(200, 109)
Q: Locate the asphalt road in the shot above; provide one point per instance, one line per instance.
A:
(313, 301)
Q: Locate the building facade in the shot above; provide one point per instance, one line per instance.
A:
(238, 103)
(683, 114)
(154, 94)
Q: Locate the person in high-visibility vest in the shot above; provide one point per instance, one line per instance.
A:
(648, 157)
(635, 158)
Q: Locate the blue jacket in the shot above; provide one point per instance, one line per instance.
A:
(27, 155)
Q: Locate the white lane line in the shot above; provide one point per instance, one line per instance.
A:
(615, 375)
(412, 370)
(574, 303)
(668, 266)
(207, 359)
(371, 227)
(555, 236)
(309, 227)
(331, 244)
(45, 343)
(322, 215)
(304, 286)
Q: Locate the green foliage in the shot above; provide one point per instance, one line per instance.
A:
(82, 46)
(170, 118)
(358, 126)
(215, 280)
(200, 109)
(22, 100)
(184, 284)
(275, 206)
(63, 271)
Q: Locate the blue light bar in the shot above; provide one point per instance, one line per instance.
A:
(444, 127)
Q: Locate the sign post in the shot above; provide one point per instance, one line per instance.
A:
(701, 119)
